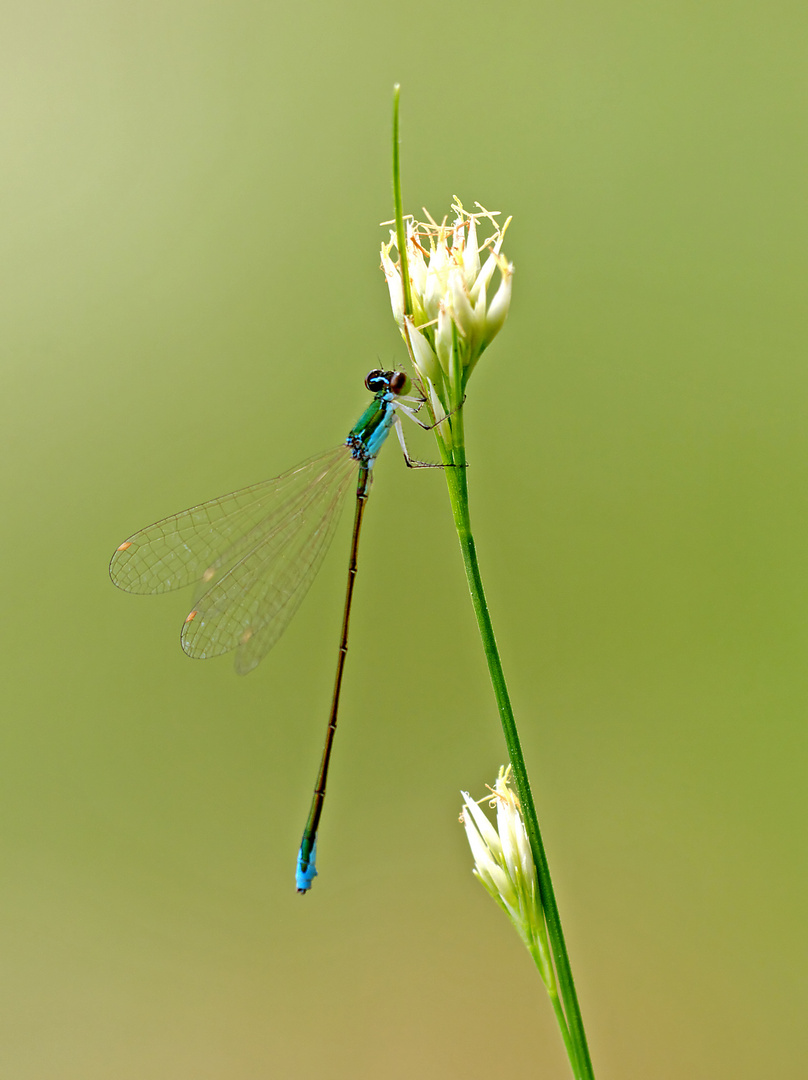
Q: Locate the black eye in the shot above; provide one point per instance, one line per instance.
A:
(376, 380)
(399, 383)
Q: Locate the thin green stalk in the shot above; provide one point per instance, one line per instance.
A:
(458, 497)
(452, 452)
(401, 236)
(565, 1031)
(540, 951)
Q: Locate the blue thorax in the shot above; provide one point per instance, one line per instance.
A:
(372, 428)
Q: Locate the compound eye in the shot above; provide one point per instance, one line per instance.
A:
(399, 383)
(376, 380)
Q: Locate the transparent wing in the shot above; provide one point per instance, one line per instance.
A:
(255, 553)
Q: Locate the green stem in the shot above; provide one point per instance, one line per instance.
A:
(453, 454)
(458, 497)
(401, 236)
(540, 951)
(565, 1031)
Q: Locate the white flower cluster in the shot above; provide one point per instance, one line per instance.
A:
(503, 863)
(452, 320)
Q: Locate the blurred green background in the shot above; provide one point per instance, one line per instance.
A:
(191, 298)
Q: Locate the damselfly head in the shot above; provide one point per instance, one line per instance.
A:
(378, 381)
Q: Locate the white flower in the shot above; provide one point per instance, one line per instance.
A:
(503, 863)
(452, 321)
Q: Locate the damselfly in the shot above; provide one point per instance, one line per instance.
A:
(256, 551)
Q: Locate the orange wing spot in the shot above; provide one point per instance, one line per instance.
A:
(193, 615)
(248, 633)
(208, 574)
(124, 545)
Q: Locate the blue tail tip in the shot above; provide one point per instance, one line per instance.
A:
(305, 872)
